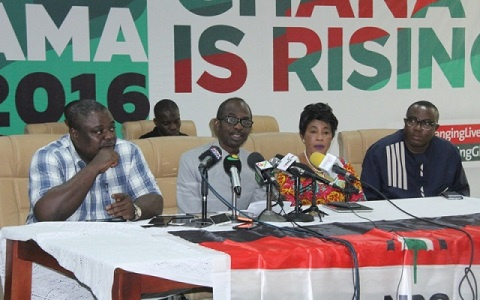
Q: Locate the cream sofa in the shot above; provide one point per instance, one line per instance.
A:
(134, 129)
(47, 128)
(162, 155)
(354, 144)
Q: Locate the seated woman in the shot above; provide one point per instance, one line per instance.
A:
(317, 129)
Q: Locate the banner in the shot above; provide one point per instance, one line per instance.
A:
(368, 59)
(398, 259)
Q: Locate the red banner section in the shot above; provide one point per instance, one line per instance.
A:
(465, 136)
(389, 243)
(460, 134)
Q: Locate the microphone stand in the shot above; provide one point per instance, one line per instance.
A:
(268, 215)
(204, 221)
(234, 205)
(297, 215)
(313, 209)
(349, 190)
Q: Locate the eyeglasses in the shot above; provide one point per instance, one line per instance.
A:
(424, 124)
(234, 121)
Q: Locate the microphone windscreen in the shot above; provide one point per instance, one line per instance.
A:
(232, 161)
(316, 158)
(211, 156)
(254, 158)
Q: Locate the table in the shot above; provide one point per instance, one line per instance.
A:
(126, 285)
(268, 265)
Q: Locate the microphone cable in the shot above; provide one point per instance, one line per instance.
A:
(304, 230)
(472, 283)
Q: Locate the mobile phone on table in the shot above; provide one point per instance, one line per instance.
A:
(220, 218)
(450, 195)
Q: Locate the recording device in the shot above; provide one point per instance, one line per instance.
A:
(233, 166)
(263, 169)
(210, 157)
(331, 165)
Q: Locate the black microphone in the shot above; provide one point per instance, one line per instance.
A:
(263, 169)
(233, 166)
(210, 157)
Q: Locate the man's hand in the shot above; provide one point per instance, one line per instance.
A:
(122, 207)
(105, 159)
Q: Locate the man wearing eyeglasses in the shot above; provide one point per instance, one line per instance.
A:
(413, 162)
(232, 125)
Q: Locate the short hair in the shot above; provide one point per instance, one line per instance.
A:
(317, 111)
(77, 111)
(221, 108)
(164, 105)
(427, 104)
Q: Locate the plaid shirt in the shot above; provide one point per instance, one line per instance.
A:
(57, 162)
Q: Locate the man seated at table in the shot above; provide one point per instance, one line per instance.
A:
(233, 124)
(167, 120)
(413, 162)
(89, 174)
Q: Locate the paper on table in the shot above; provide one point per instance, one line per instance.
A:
(257, 207)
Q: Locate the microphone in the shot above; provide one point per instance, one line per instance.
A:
(263, 169)
(329, 163)
(232, 166)
(288, 164)
(210, 157)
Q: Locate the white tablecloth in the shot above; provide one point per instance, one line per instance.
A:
(92, 255)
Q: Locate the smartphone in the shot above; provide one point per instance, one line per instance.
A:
(345, 204)
(220, 219)
(165, 220)
(180, 220)
(160, 221)
(450, 195)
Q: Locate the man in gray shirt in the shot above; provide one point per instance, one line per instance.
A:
(233, 124)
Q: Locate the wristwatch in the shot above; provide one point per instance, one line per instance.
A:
(138, 212)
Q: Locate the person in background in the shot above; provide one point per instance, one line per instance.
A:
(89, 174)
(413, 162)
(233, 124)
(317, 129)
(167, 120)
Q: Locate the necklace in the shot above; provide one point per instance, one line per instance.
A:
(313, 167)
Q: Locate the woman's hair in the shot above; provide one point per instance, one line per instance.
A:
(317, 111)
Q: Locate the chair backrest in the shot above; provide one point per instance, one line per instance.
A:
(260, 124)
(270, 144)
(134, 129)
(354, 144)
(47, 128)
(16, 153)
(162, 155)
